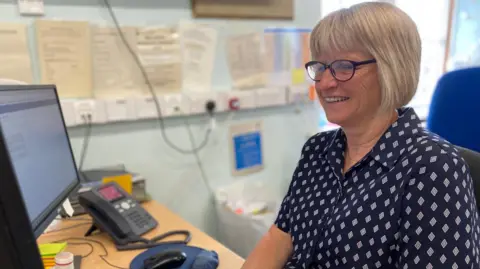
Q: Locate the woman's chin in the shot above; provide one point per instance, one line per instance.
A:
(336, 121)
(338, 118)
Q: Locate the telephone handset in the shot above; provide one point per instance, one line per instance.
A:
(116, 212)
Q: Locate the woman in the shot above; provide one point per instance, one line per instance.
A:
(380, 192)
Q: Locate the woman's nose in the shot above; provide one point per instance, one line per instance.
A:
(327, 81)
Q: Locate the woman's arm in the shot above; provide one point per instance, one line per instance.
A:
(272, 252)
(275, 248)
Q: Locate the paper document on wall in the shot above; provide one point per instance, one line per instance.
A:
(288, 51)
(65, 56)
(159, 53)
(246, 61)
(115, 72)
(278, 61)
(14, 53)
(198, 52)
(300, 56)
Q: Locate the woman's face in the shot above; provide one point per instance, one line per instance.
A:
(347, 103)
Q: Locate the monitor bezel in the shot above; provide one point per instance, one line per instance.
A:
(41, 222)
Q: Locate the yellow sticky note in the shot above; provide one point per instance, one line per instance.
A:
(125, 181)
(298, 76)
(51, 249)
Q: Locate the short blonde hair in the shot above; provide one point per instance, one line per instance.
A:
(383, 31)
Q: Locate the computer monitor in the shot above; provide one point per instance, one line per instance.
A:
(18, 247)
(36, 148)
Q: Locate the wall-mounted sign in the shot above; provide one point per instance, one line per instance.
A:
(246, 148)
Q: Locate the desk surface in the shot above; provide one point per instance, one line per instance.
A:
(167, 221)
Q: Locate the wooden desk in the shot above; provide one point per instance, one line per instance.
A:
(167, 221)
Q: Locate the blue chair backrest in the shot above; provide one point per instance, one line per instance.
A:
(455, 108)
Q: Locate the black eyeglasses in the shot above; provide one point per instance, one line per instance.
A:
(342, 70)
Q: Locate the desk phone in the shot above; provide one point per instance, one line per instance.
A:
(116, 212)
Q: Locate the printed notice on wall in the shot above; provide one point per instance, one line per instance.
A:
(115, 72)
(159, 52)
(246, 148)
(246, 61)
(14, 53)
(65, 58)
(198, 53)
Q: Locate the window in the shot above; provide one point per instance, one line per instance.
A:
(433, 32)
(465, 36)
(328, 6)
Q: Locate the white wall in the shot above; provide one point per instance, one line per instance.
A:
(174, 179)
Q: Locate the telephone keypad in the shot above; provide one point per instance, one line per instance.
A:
(125, 205)
(139, 219)
(128, 209)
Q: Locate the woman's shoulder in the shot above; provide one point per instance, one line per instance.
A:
(436, 153)
(428, 141)
(320, 141)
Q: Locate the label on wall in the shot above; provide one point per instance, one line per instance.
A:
(31, 7)
(246, 148)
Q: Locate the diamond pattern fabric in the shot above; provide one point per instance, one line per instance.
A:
(409, 203)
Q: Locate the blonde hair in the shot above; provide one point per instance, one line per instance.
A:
(383, 31)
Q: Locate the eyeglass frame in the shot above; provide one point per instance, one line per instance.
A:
(328, 66)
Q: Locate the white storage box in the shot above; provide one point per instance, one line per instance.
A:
(245, 211)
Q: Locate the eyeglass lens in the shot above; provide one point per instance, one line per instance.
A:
(341, 70)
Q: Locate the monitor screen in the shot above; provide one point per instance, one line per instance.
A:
(35, 135)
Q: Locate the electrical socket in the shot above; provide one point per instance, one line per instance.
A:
(68, 112)
(298, 94)
(120, 109)
(145, 108)
(266, 97)
(221, 99)
(95, 109)
(197, 102)
(245, 98)
(173, 105)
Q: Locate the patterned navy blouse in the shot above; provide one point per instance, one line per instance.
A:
(409, 203)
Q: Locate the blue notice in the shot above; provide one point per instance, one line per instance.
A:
(248, 150)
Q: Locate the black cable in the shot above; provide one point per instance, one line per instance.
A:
(194, 149)
(73, 219)
(197, 158)
(86, 140)
(151, 89)
(103, 256)
(85, 243)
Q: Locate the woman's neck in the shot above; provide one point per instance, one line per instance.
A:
(363, 136)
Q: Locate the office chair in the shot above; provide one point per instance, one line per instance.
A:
(455, 108)
(473, 160)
